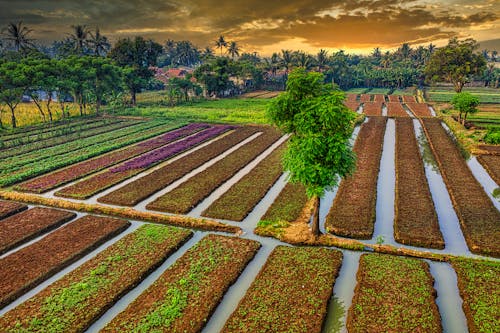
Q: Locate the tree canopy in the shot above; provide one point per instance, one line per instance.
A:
(465, 103)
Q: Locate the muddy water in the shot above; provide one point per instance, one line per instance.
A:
(343, 291)
(448, 298)
(484, 179)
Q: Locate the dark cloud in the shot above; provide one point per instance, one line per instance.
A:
(259, 23)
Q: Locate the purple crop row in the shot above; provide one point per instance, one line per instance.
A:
(153, 157)
(173, 135)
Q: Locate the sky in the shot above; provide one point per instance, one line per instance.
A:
(266, 26)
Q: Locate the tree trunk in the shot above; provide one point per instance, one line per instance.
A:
(39, 107)
(134, 97)
(315, 222)
(49, 111)
(80, 103)
(13, 116)
(458, 86)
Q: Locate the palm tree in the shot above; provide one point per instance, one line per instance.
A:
(286, 59)
(80, 37)
(17, 34)
(233, 49)
(220, 43)
(99, 43)
(405, 50)
(322, 59)
(431, 48)
(304, 60)
(207, 53)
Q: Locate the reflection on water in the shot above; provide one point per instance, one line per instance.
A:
(496, 193)
(426, 152)
(335, 319)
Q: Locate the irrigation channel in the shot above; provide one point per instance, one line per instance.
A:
(448, 299)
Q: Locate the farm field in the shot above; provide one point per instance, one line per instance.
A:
(445, 94)
(228, 268)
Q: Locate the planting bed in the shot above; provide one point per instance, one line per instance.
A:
(365, 98)
(395, 109)
(187, 195)
(394, 98)
(352, 105)
(353, 210)
(140, 189)
(493, 150)
(419, 109)
(478, 216)
(24, 269)
(93, 185)
(290, 294)
(415, 220)
(479, 285)
(492, 164)
(372, 109)
(351, 97)
(56, 162)
(242, 197)
(75, 301)
(8, 208)
(187, 293)
(29, 224)
(393, 294)
(409, 99)
(379, 98)
(76, 171)
(288, 205)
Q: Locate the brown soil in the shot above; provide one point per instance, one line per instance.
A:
(8, 208)
(395, 109)
(492, 164)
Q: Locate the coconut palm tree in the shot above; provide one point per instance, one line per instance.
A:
(80, 37)
(99, 43)
(286, 59)
(233, 49)
(17, 34)
(322, 60)
(220, 43)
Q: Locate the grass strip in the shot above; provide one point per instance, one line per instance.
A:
(186, 294)
(187, 195)
(98, 183)
(393, 294)
(26, 268)
(142, 188)
(30, 224)
(8, 208)
(243, 196)
(415, 219)
(74, 302)
(79, 170)
(290, 293)
(491, 164)
(419, 109)
(395, 109)
(479, 285)
(353, 211)
(479, 219)
(372, 108)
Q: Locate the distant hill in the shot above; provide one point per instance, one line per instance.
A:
(492, 44)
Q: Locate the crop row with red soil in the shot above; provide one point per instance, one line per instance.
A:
(237, 202)
(140, 189)
(351, 97)
(290, 293)
(492, 165)
(365, 98)
(479, 286)
(187, 195)
(409, 99)
(74, 302)
(493, 150)
(31, 265)
(288, 204)
(419, 109)
(353, 106)
(379, 98)
(30, 224)
(353, 211)
(393, 294)
(394, 98)
(478, 217)
(98, 183)
(79, 170)
(8, 208)
(395, 109)
(372, 108)
(185, 295)
(415, 221)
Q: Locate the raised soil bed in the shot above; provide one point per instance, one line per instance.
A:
(8, 208)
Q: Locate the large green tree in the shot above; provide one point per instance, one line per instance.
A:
(320, 125)
(456, 63)
(13, 84)
(465, 103)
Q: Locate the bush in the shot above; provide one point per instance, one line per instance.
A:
(492, 136)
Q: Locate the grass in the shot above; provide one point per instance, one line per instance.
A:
(415, 221)
(186, 294)
(357, 91)
(27, 114)
(290, 293)
(401, 92)
(393, 294)
(242, 197)
(79, 298)
(478, 282)
(353, 210)
(382, 91)
(477, 214)
(443, 94)
(228, 110)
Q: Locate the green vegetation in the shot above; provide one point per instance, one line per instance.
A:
(465, 104)
(393, 294)
(478, 282)
(288, 205)
(492, 136)
(445, 94)
(383, 91)
(357, 91)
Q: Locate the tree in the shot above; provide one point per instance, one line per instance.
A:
(80, 38)
(322, 60)
(465, 103)
(17, 35)
(320, 125)
(99, 43)
(13, 84)
(286, 60)
(104, 77)
(220, 43)
(455, 63)
(233, 50)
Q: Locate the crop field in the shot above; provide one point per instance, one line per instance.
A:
(485, 95)
(169, 224)
(28, 113)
